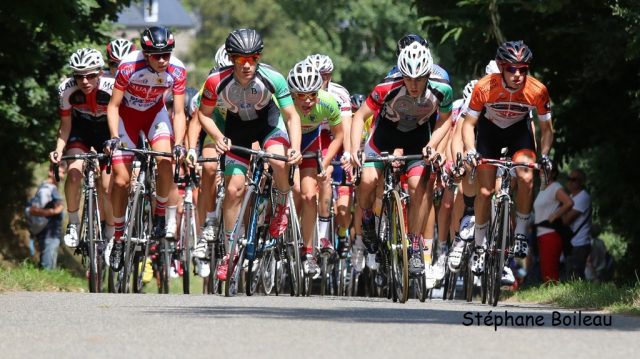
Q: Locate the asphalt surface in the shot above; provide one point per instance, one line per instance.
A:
(84, 325)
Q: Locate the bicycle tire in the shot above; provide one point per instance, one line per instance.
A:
(420, 281)
(504, 233)
(187, 235)
(268, 271)
(296, 274)
(129, 247)
(143, 254)
(233, 284)
(399, 248)
(95, 266)
(324, 267)
(165, 266)
(469, 277)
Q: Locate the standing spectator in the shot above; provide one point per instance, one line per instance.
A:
(48, 203)
(549, 207)
(579, 219)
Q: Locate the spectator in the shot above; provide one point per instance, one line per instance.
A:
(550, 205)
(579, 219)
(48, 203)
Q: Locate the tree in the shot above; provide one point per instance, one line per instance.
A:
(592, 76)
(37, 41)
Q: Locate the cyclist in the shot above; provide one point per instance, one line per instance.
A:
(341, 95)
(116, 49)
(507, 99)
(206, 204)
(137, 105)
(405, 108)
(83, 125)
(251, 92)
(315, 106)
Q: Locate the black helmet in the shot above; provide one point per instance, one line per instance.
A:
(514, 52)
(244, 42)
(409, 39)
(356, 101)
(156, 39)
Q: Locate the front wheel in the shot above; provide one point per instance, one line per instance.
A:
(399, 262)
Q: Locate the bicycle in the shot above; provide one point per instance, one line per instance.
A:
(92, 243)
(187, 228)
(238, 244)
(215, 248)
(500, 240)
(392, 232)
(138, 225)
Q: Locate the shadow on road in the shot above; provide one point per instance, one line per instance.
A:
(514, 317)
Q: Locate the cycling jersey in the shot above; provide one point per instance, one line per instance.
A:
(143, 87)
(343, 97)
(402, 121)
(88, 113)
(505, 107)
(251, 112)
(325, 111)
(142, 108)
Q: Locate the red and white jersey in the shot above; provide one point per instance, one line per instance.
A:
(505, 107)
(343, 98)
(144, 88)
(90, 107)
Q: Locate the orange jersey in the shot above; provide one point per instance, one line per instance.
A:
(505, 107)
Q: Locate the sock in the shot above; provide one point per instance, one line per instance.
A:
(161, 204)
(323, 227)
(428, 245)
(358, 242)
(170, 213)
(118, 224)
(521, 223)
(73, 218)
(308, 251)
(481, 232)
(109, 230)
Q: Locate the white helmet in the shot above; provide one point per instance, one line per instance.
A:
(322, 62)
(117, 48)
(468, 89)
(221, 58)
(415, 60)
(304, 77)
(86, 59)
(492, 68)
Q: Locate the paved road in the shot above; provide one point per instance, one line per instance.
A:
(78, 325)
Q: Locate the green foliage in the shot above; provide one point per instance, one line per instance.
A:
(587, 52)
(29, 278)
(359, 36)
(37, 41)
(581, 295)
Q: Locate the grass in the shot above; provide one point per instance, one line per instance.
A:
(26, 277)
(584, 295)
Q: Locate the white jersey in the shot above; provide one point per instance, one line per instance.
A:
(343, 98)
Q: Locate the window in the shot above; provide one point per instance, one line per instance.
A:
(151, 11)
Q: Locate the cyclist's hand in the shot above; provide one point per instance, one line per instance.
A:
(358, 159)
(345, 160)
(179, 152)
(547, 163)
(55, 156)
(110, 146)
(326, 174)
(473, 157)
(192, 158)
(223, 145)
(295, 158)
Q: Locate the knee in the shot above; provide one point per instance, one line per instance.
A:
(485, 192)
(74, 177)
(209, 170)
(235, 191)
(309, 198)
(163, 163)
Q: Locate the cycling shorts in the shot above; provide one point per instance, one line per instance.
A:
(154, 123)
(491, 139)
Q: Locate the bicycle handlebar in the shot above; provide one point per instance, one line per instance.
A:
(81, 156)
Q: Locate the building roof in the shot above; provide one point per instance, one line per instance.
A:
(146, 13)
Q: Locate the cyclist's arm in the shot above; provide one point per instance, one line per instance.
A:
(346, 130)
(293, 121)
(566, 203)
(209, 125)
(63, 133)
(193, 130)
(546, 136)
(468, 131)
(442, 128)
(457, 145)
(179, 119)
(334, 146)
(357, 124)
(113, 113)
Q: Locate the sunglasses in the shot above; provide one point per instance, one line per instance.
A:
(90, 76)
(241, 60)
(513, 69)
(163, 56)
(306, 95)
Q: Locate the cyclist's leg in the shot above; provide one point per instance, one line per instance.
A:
(207, 197)
(160, 134)
(72, 186)
(308, 186)
(104, 197)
